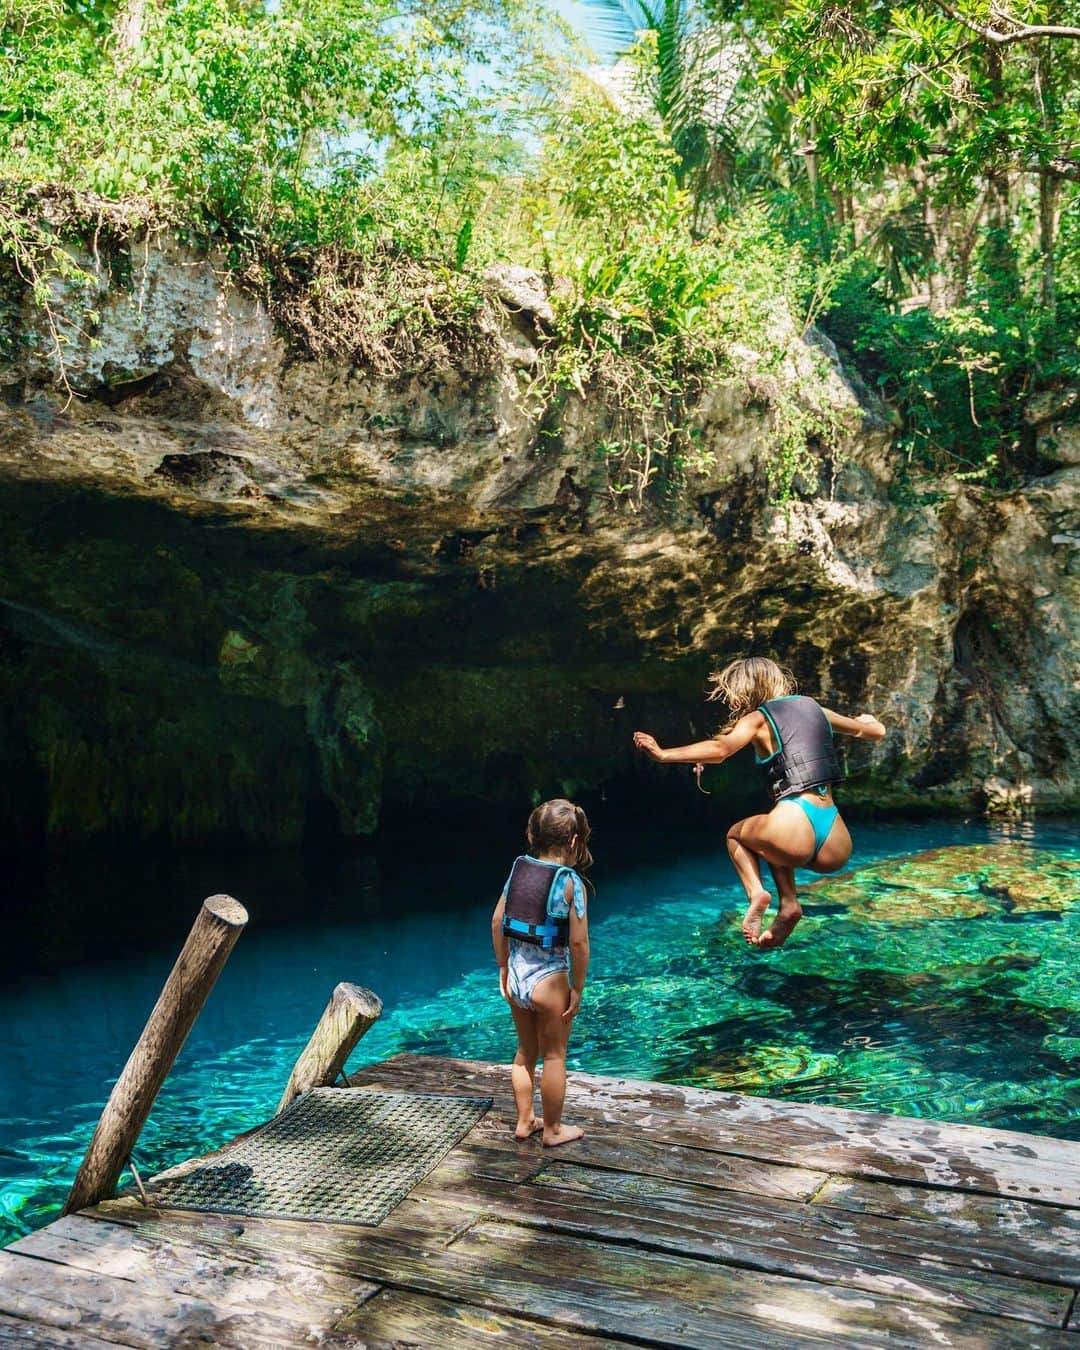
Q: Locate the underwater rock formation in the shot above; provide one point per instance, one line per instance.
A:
(249, 592)
(963, 882)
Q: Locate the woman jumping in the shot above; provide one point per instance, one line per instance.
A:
(792, 738)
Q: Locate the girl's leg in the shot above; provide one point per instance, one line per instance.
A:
(523, 1072)
(551, 997)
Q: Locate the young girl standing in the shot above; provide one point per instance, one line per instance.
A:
(792, 738)
(541, 937)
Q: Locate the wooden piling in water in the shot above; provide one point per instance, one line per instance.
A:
(350, 1012)
(214, 933)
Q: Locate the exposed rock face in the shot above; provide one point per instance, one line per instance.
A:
(248, 592)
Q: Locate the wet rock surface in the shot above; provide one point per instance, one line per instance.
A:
(248, 592)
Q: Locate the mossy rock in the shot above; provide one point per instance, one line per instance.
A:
(963, 882)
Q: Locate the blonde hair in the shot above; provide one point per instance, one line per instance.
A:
(747, 683)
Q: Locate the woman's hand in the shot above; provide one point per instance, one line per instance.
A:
(573, 1006)
(868, 720)
(645, 742)
(504, 987)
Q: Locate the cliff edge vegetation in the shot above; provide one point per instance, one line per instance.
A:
(397, 406)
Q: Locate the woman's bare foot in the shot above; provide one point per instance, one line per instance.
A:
(527, 1128)
(562, 1134)
(789, 914)
(751, 924)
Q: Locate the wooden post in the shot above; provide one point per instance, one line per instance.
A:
(213, 936)
(348, 1015)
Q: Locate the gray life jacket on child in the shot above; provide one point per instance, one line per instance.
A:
(526, 916)
(805, 755)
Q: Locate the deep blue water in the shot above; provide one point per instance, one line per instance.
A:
(954, 1000)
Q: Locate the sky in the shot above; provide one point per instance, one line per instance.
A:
(584, 19)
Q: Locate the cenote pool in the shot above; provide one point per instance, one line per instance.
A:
(944, 986)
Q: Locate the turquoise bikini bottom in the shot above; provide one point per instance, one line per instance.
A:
(821, 817)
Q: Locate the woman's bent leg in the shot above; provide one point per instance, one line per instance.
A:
(785, 839)
(523, 1071)
(551, 997)
(748, 869)
(789, 911)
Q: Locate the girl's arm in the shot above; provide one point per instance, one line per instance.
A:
(714, 751)
(501, 944)
(579, 960)
(865, 727)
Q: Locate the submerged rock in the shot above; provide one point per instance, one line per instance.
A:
(249, 591)
(963, 882)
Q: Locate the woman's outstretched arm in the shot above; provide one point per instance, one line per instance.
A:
(865, 727)
(713, 751)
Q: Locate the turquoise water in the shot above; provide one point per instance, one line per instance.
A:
(946, 987)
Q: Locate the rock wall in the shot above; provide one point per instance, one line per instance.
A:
(247, 593)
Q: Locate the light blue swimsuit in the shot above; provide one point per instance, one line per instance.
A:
(529, 964)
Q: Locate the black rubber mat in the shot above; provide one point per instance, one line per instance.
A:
(336, 1155)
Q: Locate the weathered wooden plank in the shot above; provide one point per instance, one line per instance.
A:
(775, 1239)
(1009, 1237)
(1038, 1229)
(15, 1332)
(621, 1291)
(609, 1289)
(293, 1290)
(418, 1219)
(398, 1317)
(629, 1150)
(859, 1143)
(612, 1298)
(119, 1310)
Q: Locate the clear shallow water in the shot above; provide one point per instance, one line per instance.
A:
(945, 988)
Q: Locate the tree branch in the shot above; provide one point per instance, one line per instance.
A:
(1022, 32)
(1058, 166)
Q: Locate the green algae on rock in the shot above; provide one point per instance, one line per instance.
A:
(954, 883)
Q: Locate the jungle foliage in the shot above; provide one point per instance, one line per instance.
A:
(904, 176)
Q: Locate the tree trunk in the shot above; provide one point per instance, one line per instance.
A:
(1048, 183)
(128, 26)
(1048, 192)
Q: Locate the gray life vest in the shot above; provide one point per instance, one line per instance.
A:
(526, 916)
(805, 755)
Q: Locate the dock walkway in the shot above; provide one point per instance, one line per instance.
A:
(684, 1218)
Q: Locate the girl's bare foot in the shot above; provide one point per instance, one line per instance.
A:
(789, 915)
(751, 924)
(562, 1134)
(527, 1128)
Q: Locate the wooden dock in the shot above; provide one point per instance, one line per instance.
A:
(684, 1218)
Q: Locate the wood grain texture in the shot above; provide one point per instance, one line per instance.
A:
(825, 1138)
(683, 1219)
(17, 1334)
(398, 1317)
(773, 1239)
(350, 1012)
(215, 932)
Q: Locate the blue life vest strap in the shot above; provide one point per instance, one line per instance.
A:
(546, 932)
